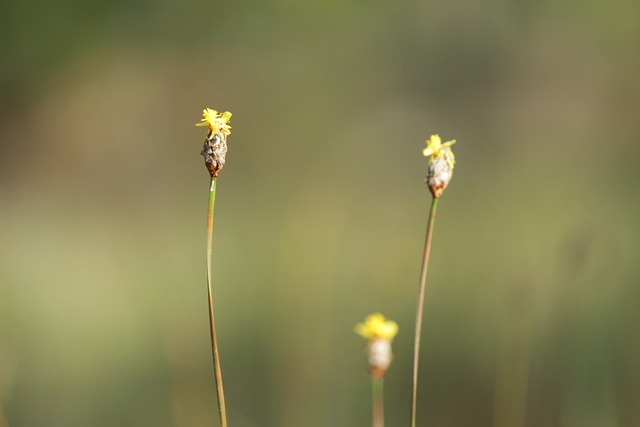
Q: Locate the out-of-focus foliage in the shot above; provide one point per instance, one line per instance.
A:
(533, 285)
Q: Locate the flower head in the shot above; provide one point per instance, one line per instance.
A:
(375, 327)
(441, 163)
(379, 333)
(214, 150)
(217, 123)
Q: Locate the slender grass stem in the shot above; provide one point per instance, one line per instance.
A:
(3, 419)
(222, 409)
(378, 401)
(420, 308)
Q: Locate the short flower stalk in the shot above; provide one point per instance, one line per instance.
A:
(439, 174)
(214, 152)
(379, 334)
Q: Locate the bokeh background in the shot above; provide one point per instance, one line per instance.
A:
(532, 304)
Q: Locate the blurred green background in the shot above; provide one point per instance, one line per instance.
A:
(531, 311)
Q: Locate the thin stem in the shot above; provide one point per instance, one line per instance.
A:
(420, 309)
(222, 408)
(3, 419)
(378, 401)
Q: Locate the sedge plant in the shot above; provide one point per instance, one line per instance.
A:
(379, 333)
(440, 171)
(214, 152)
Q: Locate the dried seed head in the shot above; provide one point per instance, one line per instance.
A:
(441, 163)
(214, 149)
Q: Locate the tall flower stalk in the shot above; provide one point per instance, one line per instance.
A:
(440, 171)
(214, 152)
(379, 333)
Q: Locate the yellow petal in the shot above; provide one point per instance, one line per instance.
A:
(376, 326)
(388, 330)
(362, 330)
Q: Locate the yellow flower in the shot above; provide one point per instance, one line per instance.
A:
(435, 148)
(217, 123)
(376, 326)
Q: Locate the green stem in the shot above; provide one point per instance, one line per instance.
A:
(378, 401)
(420, 309)
(222, 409)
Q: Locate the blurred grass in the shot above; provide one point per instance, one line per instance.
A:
(321, 209)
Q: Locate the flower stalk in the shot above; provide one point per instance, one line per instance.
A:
(440, 171)
(379, 333)
(214, 152)
(222, 407)
(420, 308)
(377, 387)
